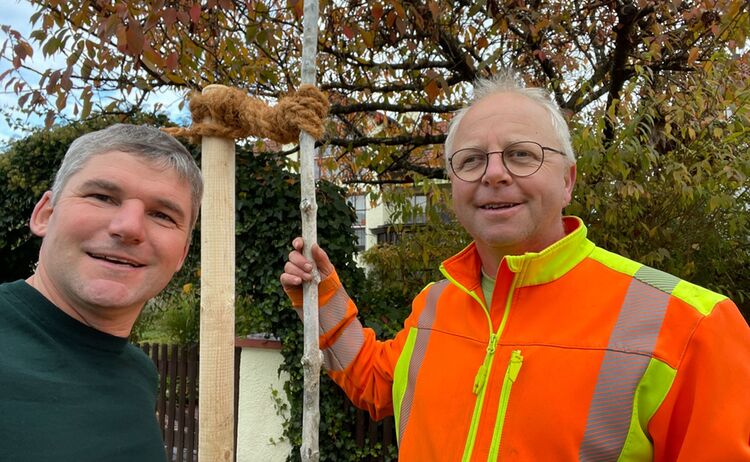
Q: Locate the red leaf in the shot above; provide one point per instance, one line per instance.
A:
(122, 39)
(348, 32)
(195, 13)
(172, 61)
(169, 16)
(50, 119)
(134, 35)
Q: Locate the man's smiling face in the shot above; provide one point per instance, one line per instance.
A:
(114, 237)
(507, 215)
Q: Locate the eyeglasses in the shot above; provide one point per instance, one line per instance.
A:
(521, 159)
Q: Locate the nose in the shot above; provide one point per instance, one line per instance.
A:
(496, 173)
(127, 224)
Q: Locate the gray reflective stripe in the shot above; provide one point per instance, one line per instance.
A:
(659, 279)
(332, 312)
(343, 351)
(630, 348)
(339, 355)
(424, 329)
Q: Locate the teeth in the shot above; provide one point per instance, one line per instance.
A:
(497, 206)
(116, 260)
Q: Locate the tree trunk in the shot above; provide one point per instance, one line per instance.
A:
(312, 357)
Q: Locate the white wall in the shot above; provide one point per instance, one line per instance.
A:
(259, 427)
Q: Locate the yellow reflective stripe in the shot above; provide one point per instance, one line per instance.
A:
(400, 378)
(511, 374)
(614, 261)
(703, 300)
(652, 389)
(416, 354)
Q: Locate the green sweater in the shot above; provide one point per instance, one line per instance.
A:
(69, 392)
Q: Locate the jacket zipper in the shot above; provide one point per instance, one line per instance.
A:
(483, 373)
(511, 373)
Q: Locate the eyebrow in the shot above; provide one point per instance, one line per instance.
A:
(109, 186)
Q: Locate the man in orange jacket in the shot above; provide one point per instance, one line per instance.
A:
(539, 345)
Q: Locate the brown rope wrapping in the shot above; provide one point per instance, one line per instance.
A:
(234, 114)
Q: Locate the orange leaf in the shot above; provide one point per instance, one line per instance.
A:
(153, 57)
(432, 89)
(434, 9)
(368, 37)
(377, 12)
(693, 55)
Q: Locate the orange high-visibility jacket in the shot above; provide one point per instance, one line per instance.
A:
(582, 355)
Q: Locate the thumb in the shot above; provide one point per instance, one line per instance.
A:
(325, 267)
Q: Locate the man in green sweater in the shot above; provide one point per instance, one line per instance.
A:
(115, 228)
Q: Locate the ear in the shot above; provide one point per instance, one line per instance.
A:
(569, 178)
(184, 255)
(41, 215)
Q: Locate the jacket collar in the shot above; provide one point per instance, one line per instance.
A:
(533, 268)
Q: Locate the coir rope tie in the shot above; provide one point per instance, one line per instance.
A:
(234, 114)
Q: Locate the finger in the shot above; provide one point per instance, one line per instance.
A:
(297, 259)
(298, 271)
(298, 243)
(290, 281)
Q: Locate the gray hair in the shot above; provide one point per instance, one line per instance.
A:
(508, 82)
(143, 141)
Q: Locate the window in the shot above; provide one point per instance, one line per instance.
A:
(417, 207)
(359, 204)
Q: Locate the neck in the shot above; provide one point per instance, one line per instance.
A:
(492, 257)
(119, 326)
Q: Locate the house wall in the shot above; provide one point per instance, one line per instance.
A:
(259, 426)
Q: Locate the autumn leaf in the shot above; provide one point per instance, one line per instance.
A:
(195, 13)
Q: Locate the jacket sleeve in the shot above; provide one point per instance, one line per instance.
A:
(360, 364)
(706, 413)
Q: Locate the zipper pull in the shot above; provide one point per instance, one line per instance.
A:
(481, 376)
(479, 379)
(493, 343)
(516, 360)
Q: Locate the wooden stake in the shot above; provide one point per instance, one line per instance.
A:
(216, 370)
(312, 358)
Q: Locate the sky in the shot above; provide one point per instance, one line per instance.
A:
(17, 14)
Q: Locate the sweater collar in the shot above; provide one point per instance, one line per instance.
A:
(60, 324)
(533, 268)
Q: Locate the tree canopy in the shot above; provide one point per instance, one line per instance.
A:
(394, 69)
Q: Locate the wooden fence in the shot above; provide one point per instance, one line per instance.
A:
(177, 405)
